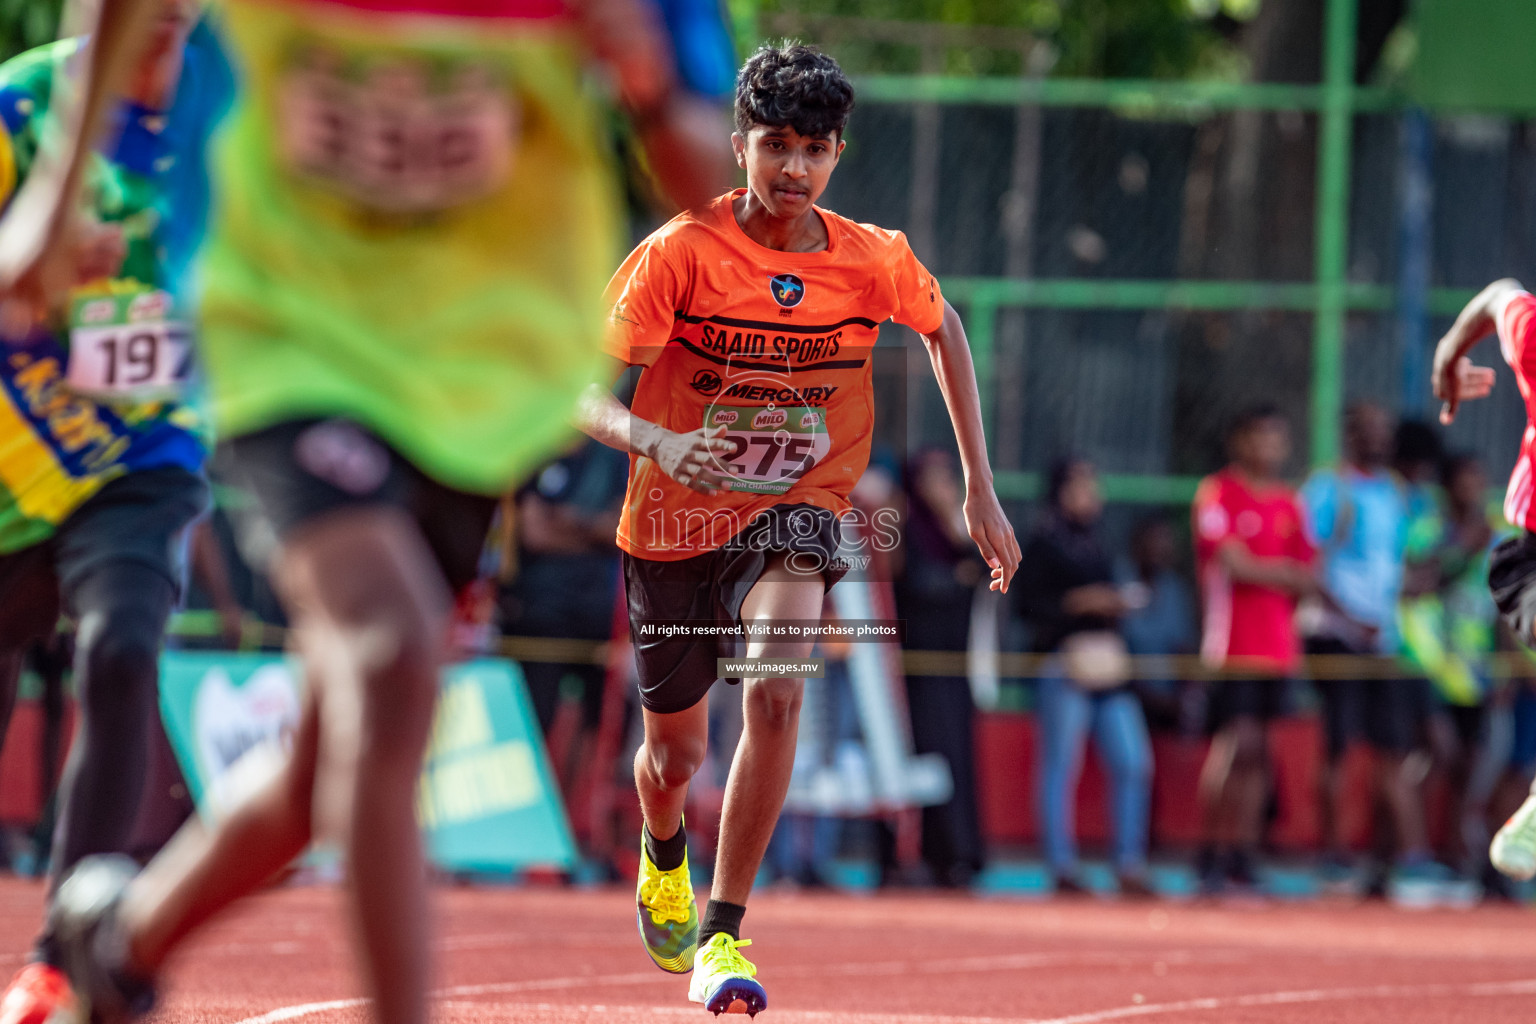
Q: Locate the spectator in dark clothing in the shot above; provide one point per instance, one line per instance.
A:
(940, 575)
(567, 573)
(1066, 590)
(1164, 625)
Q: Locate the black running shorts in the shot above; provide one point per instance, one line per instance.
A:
(1245, 697)
(140, 517)
(677, 672)
(1511, 575)
(1392, 714)
(300, 470)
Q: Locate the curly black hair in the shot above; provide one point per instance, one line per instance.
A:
(795, 86)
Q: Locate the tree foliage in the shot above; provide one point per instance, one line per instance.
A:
(27, 23)
(1093, 38)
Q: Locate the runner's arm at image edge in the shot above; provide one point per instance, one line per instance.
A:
(1454, 378)
(950, 353)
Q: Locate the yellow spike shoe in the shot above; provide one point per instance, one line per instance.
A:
(668, 915)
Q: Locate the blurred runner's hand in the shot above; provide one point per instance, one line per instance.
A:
(81, 250)
(628, 36)
(99, 250)
(40, 251)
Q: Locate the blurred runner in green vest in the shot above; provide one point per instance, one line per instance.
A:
(416, 218)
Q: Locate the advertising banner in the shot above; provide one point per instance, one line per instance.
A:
(487, 800)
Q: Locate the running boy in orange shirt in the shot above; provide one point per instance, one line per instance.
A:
(755, 318)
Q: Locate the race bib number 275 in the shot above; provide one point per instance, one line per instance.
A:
(771, 447)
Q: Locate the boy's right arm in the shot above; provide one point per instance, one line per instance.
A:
(692, 458)
(644, 293)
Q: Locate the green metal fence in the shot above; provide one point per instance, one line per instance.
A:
(1328, 298)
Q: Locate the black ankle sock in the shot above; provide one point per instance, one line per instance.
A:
(720, 916)
(667, 854)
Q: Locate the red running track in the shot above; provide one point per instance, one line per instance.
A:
(538, 956)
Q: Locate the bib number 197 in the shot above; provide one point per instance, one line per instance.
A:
(126, 357)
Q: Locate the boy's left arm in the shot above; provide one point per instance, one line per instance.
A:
(984, 518)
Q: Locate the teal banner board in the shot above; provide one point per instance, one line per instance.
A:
(487, 800)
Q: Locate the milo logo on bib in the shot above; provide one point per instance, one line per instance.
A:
(770, 418)
(771, 447)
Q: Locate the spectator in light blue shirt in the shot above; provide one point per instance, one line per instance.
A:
(1359, 516)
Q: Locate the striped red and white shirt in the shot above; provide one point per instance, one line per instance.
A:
(1517, 331)
(1248, 625)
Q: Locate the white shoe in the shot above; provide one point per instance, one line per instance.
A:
(1513, 850)
(724, 980)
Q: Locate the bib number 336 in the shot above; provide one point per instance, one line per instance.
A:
(128, 347)
(399, 135)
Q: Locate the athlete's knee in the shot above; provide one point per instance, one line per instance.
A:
(119, 654)
(123, 607)
(394, 660)
(395, 640)
(774, 702)
(374, 603)
(674, 761)
(398, 707)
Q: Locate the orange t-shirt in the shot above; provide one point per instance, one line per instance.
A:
(774, 346)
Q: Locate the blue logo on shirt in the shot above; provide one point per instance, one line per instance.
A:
(787, 290)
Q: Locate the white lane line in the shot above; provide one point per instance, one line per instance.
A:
(1013, 962)
(1485, 989)
(457, 991)
(640, 1012)
(303, 1010)
(1315, 995)
(545, 985)
(1118, 1013)
(1020, 961)
(454, 997)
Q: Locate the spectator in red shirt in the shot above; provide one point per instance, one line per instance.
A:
(1254, 562)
